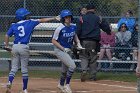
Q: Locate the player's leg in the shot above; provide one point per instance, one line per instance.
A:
(63, 74)
(62, 78)
(71, 67)
(14, 68)
(67, 60)
(24, 58)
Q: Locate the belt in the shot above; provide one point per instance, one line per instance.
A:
(20, 43)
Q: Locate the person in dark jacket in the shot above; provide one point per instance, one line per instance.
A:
(88, 31)
(134, 40)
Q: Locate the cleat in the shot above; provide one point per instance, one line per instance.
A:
(61, 88)
(24, 91)
(8, 86)
(93, 79)
(67, 88)
(83, 76)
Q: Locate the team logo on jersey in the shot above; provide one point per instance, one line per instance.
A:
(69, 34)
(63, 31)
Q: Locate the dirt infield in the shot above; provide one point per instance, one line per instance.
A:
(47, 85)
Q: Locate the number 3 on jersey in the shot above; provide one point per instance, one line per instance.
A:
(22, 32)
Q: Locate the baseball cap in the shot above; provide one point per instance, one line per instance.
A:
(90, 6)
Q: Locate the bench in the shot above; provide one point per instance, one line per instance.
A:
(40, 48)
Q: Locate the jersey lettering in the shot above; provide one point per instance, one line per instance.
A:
(70, 39)
(22, 32)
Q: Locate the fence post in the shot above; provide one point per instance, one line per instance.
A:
(138, 80)
(24, 4)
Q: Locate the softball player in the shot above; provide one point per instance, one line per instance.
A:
(63, 39)
(22, 31)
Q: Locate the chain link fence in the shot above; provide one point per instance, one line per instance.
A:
(41, 48)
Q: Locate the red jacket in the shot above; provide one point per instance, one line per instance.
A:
(107, 39)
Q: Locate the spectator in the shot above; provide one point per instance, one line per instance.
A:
(128, 20)
(122, 41)
(88, 31)
(106, 42)
(83, 11)
(134, 40)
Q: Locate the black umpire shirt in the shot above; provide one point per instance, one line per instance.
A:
(89, 25)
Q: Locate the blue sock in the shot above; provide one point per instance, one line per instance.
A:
(69, 75)
(25, 82)
(68, 79)
(62, 79)
(11, 78)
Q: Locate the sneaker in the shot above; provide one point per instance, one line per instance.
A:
(83, 76)
(24, 91)
(128, 58)
(114, 58)
(135, 58)
(8, 86)
(68, 89)
(111, 66)
(93, 78)
(61, 88)
(132, 67)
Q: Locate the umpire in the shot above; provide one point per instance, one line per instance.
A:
(88, 31)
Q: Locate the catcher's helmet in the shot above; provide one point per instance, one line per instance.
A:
(65, 13)
(22, 13)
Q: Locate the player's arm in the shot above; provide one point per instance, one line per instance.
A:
(7, 35)
(57, 44)
(43, 20)
(55, 37)
(6, 39)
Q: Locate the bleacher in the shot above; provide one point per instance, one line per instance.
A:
(42, 55)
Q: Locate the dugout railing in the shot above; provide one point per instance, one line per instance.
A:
(43, 57)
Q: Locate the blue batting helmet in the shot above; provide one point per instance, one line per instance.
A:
(22, 13)
(65, 13)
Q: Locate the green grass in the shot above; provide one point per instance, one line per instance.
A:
(126, 77)
(2, 37)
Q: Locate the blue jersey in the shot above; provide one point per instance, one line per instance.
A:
(22, 31)
(65, 35)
